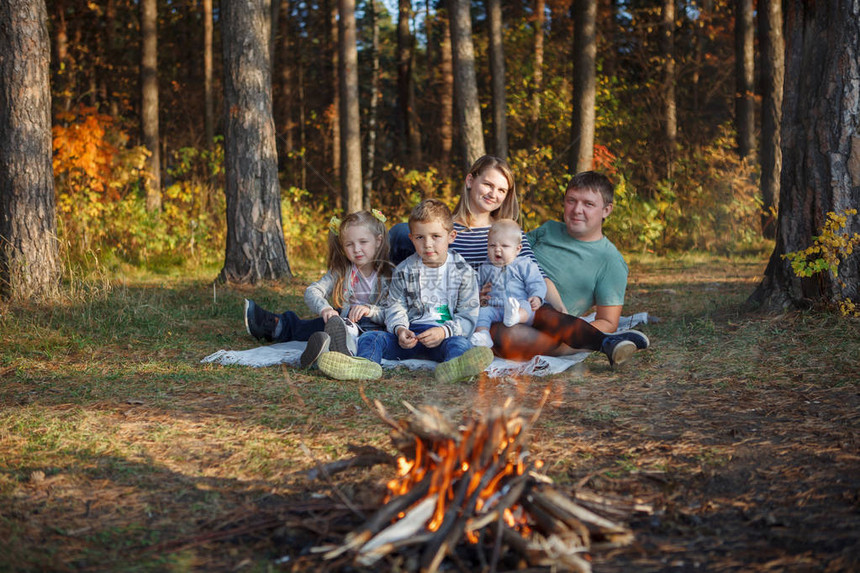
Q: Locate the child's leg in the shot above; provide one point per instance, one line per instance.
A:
(377, 345)
(291, 327)
(461, 360)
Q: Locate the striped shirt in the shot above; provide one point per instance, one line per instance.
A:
(471, 244)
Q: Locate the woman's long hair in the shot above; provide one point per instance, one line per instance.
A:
(340, 265)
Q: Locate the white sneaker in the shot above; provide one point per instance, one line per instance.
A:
(512, 312)
(344, 335)
(481, 338)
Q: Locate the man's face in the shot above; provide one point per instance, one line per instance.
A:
(431, 241)
(584, 212)
(503, 248)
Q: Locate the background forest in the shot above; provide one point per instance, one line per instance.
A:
(657, 64)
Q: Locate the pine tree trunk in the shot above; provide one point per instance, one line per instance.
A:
(446, 96)
(537, 77)
(820, 148)
(336, 105)
(670, 114)
(372, 107)
(350, 121)
(584, 85)
(286, 106)
(29, 259)
(497, 72)
(149, 101)
(744, 77)
(465, 84)
(772, 76)
(409, 134)
(208, 93)
(255, 238)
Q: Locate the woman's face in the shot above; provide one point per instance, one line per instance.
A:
(487, 190)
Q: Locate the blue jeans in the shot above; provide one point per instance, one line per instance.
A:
(294, 328)
(382, 344)
(400, 243)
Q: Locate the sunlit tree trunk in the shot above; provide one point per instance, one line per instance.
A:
(497, 72)
(744, 76)
(350, 121)
(370, 162)
(255, 238)
(772, 74)
(537, 77)
(584, 84)
(465, 84)
(410, 134)
(29, 259)
(820, 148)
(336, 106)
(208, 93)
(149, 101)
(670, 114)
(446, 93)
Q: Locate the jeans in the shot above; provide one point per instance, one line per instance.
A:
(381, 345)
(400, 243)
(294, 328)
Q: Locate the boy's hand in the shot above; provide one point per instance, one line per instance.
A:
(484, 295)
(432, 337)
(358, 312)
(535, 301)
(406, 338)
(328, 313)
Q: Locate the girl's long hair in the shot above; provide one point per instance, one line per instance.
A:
(510, 207)
(340, 265)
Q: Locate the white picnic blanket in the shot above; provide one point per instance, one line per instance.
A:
(289, 353)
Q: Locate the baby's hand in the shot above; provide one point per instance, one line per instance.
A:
(358, 312)
(432, 337)
(535, 301)
(328, 313)
(406, 338)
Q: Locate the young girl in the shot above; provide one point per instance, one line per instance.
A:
(356, 283)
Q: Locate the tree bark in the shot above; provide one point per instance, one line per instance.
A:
(255, 238)
(208, 93)
(670, 114)
(336, 105)
(372, 111)
(744, 77)
(287, 64)
(350, 135)
(537, 76)
(410, 134)
(29, 259)
(497, 72)
(772, 75)
(584, 84)
(465, 84)
(820, 148)
(446, 94)
(149, 102)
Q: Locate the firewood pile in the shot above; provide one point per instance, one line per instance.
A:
(471, 492)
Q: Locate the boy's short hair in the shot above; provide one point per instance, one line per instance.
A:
(430, 210)
(506, 227)
(593, 181)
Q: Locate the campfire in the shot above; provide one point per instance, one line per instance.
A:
(471, 491)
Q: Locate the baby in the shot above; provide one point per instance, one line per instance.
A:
(517, 286)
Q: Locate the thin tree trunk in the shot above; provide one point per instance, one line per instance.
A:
(744, 76)
(772, 75)
(149, 102)
(350, 121)
(287, 64)
(336, 105)
(670, 114)
(497, 71)
(372, 107)
(584, 85)
(446, 94)
(820, 148)
(255, 239)
(29, 257)
(465, 84)
(537, 77)
(208, 93)
(409, 134)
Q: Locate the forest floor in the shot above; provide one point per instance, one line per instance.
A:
(120, 451)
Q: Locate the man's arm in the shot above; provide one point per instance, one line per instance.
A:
(607, 318)
(553, 298)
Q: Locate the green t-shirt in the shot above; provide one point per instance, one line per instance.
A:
(586, 273)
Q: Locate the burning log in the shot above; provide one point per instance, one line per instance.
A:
(473, 487)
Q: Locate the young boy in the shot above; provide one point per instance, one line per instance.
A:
(432, 309)
(518, 288)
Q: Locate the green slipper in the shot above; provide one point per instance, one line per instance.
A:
(470, 363)
(342, 367)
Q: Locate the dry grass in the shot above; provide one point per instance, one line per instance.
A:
(120, 451)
